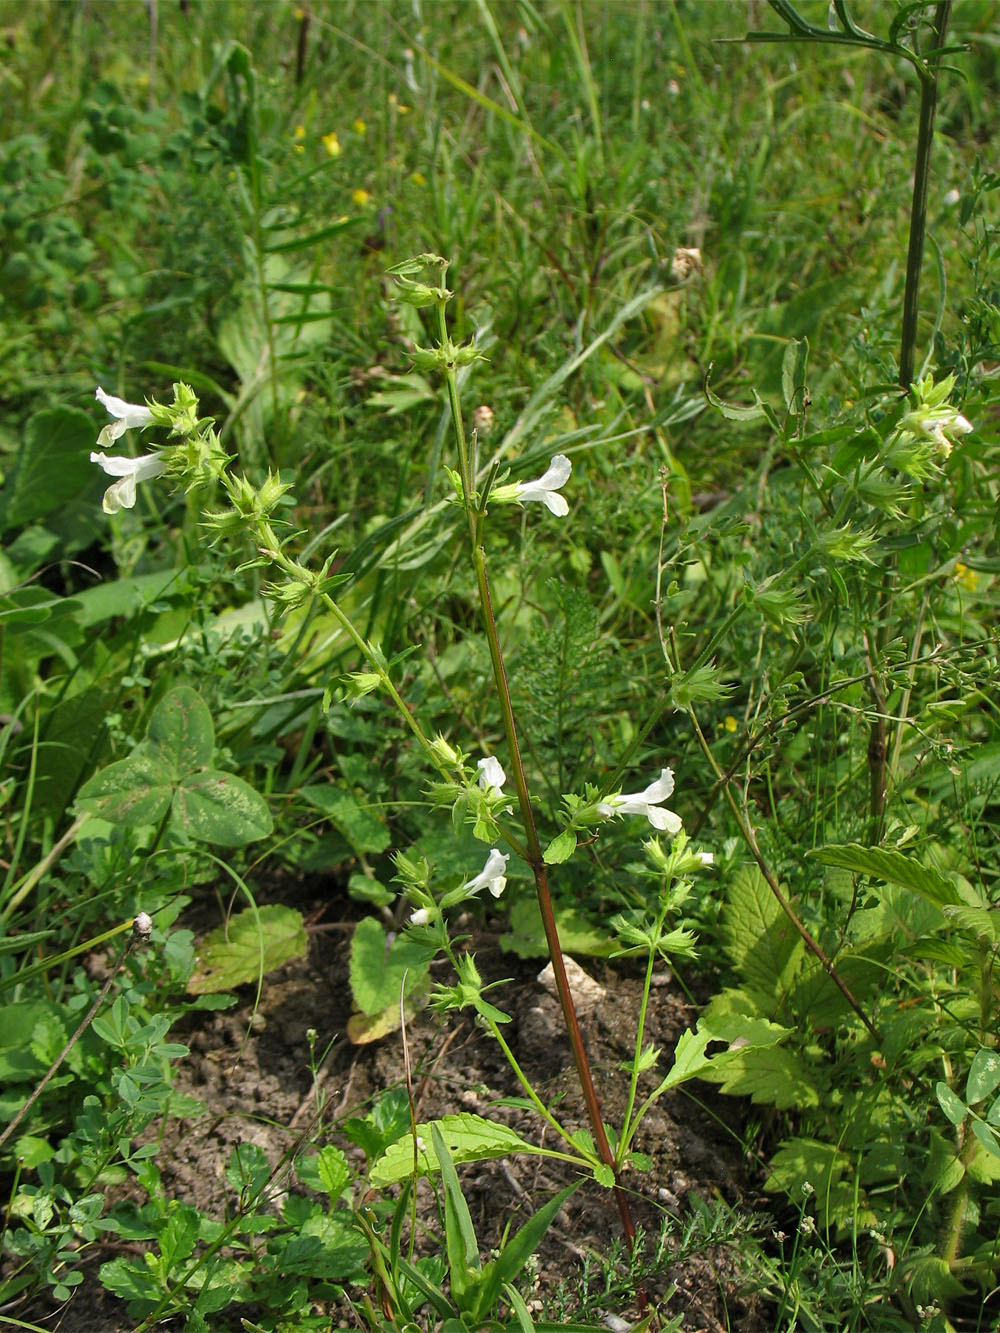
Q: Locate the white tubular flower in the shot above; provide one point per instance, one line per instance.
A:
(647, 803)
(940, 422)
(420, 917)
(491, 775)
(546, 487)
(491, 876)
(706, 858)
(121, 494)
(130, 417)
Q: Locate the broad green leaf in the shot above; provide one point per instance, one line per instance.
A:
(134, 791)
(951, 1104)
(249, 944)
(125, 596)
(469, 1138)
(987, 1136)
(526, 936)
(53, 464)
(363, 1029)
(182, 732)
(770, 1076)
(221, 808)
(892, 866)
(378, 968)
(762, 943)
(984, 1075)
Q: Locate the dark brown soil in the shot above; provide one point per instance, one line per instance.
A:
(250, 1067)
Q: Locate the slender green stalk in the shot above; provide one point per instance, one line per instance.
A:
(918, 208)
(628, 1129)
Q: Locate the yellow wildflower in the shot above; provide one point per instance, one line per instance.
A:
(359, 126)
(730, 723)
(418, 178)
(300, 134)
(965, 576)
(361, 197)
(332, 144)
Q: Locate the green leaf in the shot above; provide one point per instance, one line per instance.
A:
(461, 1245)
(53, 465)
(251, 943)
(134, 791)
(221, 808)
(760, 940)
(364, 831)
(333, 1170)
(951, 1104)
(526, 936)
(987, 1136)
(469, 1138)
(735, 412)
(561, 848)
(984, 1075)
(181, 732)
(769, 1076)
(378, 969)
(892, 866)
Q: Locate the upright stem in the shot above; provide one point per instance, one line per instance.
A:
(918, 209)
(533, 845)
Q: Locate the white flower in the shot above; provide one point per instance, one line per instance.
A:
(130, 417)
(546, 487)
(420, 917)
(491, 775)
(706, 858)
(121, 494)
(491, 876)
(647, 803)
(940, 422)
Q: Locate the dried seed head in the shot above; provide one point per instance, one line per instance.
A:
(142, 927)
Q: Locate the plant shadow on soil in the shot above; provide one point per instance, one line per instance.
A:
(249, 1067)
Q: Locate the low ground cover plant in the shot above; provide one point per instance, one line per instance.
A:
(506, 538)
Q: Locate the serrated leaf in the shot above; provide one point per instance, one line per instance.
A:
(761, 941)
(469, 1138)
(772, 1076)
(892, 866)
(249, 944)
(561, 848)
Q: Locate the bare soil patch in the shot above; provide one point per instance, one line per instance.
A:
(249, 1066)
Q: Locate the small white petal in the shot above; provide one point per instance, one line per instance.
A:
(491, 774)
(129, 416)
(491, 876)
(706, 858)
(420, 917)
(545, 487)
(121, 495)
